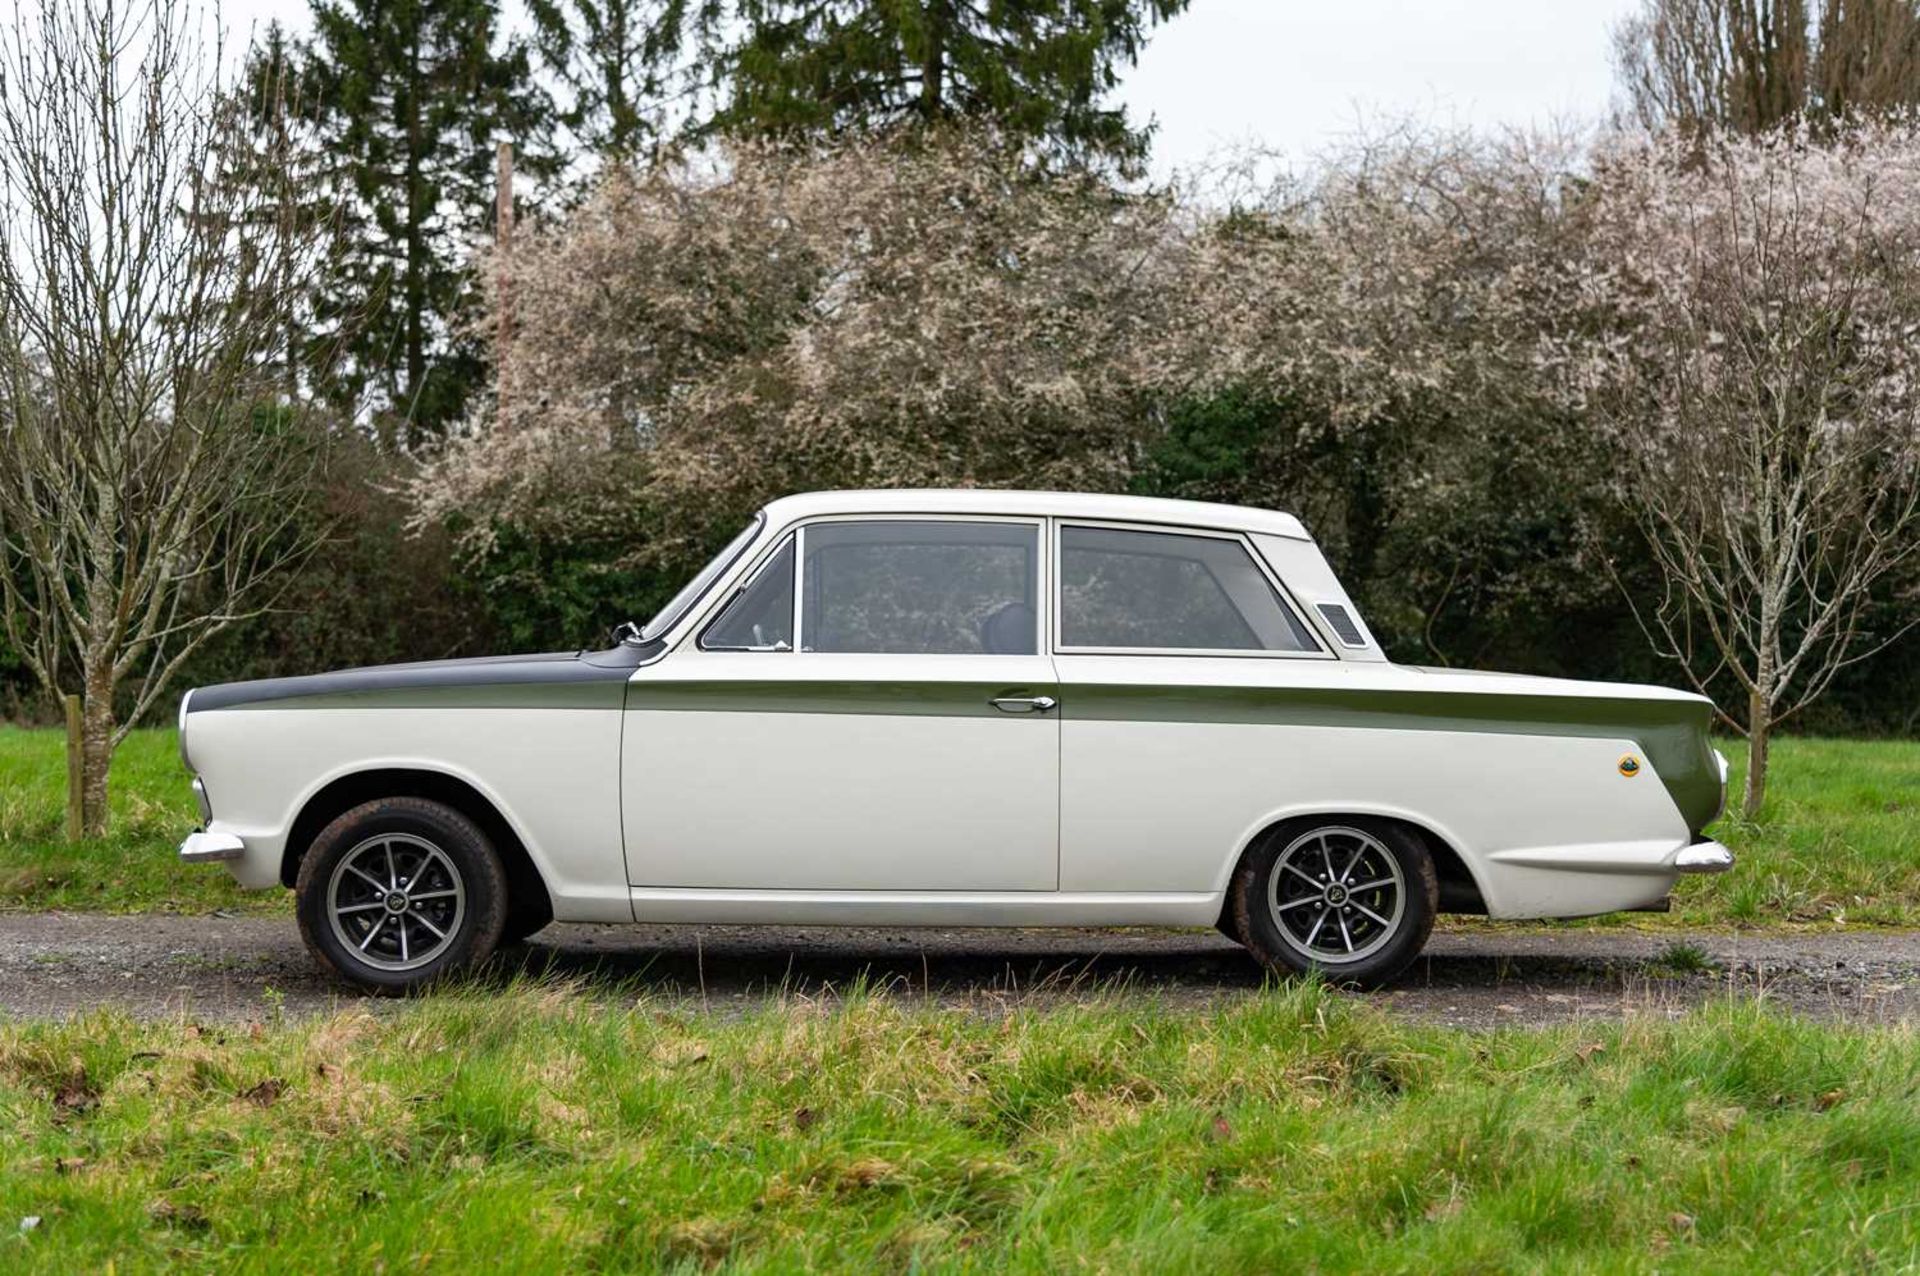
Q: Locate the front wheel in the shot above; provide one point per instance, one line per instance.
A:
(528, 913)
(398, 892)
(1353, 899)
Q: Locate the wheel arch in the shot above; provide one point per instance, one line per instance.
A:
(344, 792)
(1461, 890)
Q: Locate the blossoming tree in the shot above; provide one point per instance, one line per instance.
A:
(1763, 392)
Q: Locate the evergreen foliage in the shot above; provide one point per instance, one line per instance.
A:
(623, 67)
(403, 103)
(1038, 70)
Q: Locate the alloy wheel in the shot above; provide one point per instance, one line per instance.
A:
(396, 901)
(1336, 894)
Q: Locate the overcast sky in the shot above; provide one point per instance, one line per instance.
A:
(1298, 76)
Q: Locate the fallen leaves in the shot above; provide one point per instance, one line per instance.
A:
(868, 1172)
(168, 1213)
(679, 1054)
(75, 1094)
(265, 1093)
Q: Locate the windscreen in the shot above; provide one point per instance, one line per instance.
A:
(678, 605)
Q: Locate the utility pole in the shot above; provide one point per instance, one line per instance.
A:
(503, 245)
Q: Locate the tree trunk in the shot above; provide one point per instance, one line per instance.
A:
(97, 658)
(415, 291)
(291, 328)
(933, 65)
(1759, 735)
(623, 127)
(96, 750)
(1366, 513)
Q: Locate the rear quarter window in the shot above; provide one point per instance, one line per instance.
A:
(1123, 589)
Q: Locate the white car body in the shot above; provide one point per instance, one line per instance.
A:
(662, 781)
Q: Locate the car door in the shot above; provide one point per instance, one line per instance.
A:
(871, 711)
(1165, 640)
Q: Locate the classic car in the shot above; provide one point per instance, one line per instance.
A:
(957, 708)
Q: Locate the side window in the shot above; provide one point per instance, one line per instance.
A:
(920, 587)
(1164, 590)
(760, 617)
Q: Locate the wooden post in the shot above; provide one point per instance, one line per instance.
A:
(503, 244)
(503, 195)
(76, 773)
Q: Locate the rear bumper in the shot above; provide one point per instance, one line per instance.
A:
(202, 847)
(1592, 878)
(1703, 857)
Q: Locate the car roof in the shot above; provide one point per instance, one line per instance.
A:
(1087, 505)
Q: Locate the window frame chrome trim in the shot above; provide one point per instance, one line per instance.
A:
(1298, 614)
(717, 600)
(691, 611)
(1041, 579)
(746, 582)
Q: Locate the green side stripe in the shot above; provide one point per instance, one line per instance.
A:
(601, 694)
(916, 699)
(1672, 734)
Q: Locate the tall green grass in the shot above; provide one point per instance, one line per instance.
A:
(1838, 839)
(1838, 842)
(531, 1129)
(133, 868)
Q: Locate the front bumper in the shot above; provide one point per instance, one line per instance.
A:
(1703, 857)
(202, 847)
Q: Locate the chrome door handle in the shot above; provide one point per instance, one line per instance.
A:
(1023, 704)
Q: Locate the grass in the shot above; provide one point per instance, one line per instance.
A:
(1839, 841)
(1683, 958)
(533, 1129)
(133, 868)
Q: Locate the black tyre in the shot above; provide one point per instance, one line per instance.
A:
(1351, 898)
(528, 913)
(399, 892)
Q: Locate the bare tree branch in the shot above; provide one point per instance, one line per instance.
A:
(1767, 408)
(152, 470)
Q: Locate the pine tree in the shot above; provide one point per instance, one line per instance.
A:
(267, 104)
(626, 68)
(1039, 70)
(405, 102)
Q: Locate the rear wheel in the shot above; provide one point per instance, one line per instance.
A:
(398, 892)
(1353, 899)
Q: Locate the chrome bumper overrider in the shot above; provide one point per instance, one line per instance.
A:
(1703, 857)
(211, 848)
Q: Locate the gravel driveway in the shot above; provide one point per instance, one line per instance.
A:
(57, 964)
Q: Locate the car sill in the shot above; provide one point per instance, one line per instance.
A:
(924, 908)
